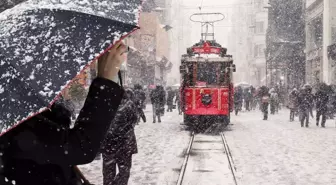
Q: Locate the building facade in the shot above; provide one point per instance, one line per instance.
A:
(320, 41)
(238, 41)
(148, 62)
(258, 22)
(247, 41)
(285, 44)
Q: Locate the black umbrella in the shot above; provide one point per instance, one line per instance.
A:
(45, 44)
(5, 4)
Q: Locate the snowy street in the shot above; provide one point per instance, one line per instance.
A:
(207, 162)
(161, 147)
(279, 152)
(273, 152)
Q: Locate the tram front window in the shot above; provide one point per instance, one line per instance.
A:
(207, 74)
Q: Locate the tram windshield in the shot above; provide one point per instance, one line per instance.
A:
(207, 74)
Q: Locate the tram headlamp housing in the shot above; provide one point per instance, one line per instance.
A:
(206, 99)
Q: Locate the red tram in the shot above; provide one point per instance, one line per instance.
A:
(206, 84)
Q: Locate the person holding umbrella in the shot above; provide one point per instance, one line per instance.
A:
(120, 143)
(43, 150)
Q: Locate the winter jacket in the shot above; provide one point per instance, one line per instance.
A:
(170, 97)
(44, 150)
(120, 138)
(305, 100)
(140, 97)
(274, 97)
(158, 96)
(247, 95)
(238, 97)
(293, 100)
(321, 99)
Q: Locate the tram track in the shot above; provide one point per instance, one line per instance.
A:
(224, 147)
(229, 157)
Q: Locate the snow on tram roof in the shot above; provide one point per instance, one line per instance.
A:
(208, 58)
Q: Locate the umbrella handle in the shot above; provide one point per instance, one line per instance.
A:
(120, 78)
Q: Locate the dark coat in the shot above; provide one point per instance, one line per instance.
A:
(170, 97)
(247, 95)
(238, 95)
(140, 97)
(120, 138)
(305, 100)
(321, 99)
(158, 96)
(264, 95)
(293, 100)
(178, 98)
(44, 150)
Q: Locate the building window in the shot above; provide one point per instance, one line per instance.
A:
(259, 50)
(333, 34)
(259, 27)
(259, 4)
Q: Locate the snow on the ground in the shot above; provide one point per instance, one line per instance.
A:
(161, 150)
(208, 163)
(279, 152)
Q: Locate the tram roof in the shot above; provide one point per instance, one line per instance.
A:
(204, 59)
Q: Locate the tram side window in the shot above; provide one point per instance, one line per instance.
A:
(189, 75)
(207, 72)
(224, 75)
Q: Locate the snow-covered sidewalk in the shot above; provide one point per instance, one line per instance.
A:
(161, 148)
(279, 152)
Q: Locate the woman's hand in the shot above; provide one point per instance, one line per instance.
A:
(109, 63)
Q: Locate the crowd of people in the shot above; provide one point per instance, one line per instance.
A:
(301, 102)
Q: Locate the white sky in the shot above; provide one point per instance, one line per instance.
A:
(191, 33)
(208, 6)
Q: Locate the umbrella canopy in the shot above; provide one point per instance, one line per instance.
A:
(243, 84)
(45, 45)
(5, 4)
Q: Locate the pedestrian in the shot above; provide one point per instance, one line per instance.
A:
(178, 102)
(140, 96)
(332, 102)
(120, 143)
(170, 99)
(293, 104)
(44, 150)
(162, 100)
(140, 101)
(158, 101)
(274, 100)
(238, 99)
(321, 99)
(247, 98)
(254, 101)
(265, 99)
(305, 100)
